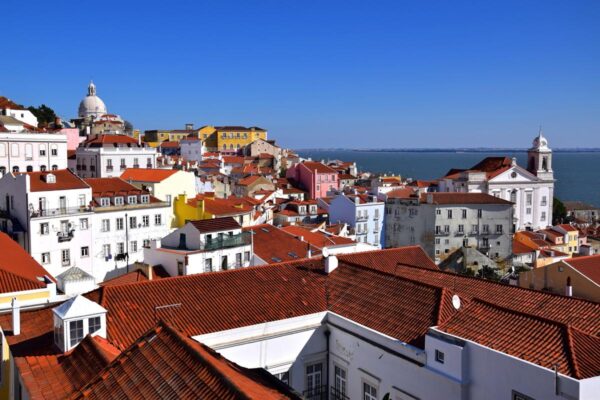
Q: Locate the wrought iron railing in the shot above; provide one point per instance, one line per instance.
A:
(65, 236)
(226, 241)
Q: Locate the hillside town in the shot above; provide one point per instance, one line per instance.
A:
(210, 262)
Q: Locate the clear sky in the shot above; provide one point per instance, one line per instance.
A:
(354, 74)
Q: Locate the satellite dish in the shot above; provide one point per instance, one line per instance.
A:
(456, 301)
(325, 252)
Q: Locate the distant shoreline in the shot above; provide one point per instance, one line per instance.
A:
(456, 150)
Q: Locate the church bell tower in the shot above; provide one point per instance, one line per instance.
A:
(539, 158)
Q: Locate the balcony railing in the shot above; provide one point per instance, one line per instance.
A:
(315, 393)
(226, 242)
(65, 236)
(109, 168)
(55, 212)
(442, 233)
(362, 218)
(136, 165)
(123, 167)
(336, 394)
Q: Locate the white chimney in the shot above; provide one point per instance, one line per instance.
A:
(569, 288)
(331, 262)
(16, 316)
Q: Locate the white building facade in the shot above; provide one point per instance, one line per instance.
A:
(28, 151)
(202, 246)
(105, 156)
(531, 190)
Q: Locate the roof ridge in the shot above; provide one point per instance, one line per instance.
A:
(570, 347)
(539, 292)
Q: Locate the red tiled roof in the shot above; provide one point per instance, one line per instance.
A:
(248, 180)
(8, 103)
(65, 180)
(99, 140)
(223, 207)
(147, 175)
(462, 198)
(319, 167)
(168, 144)
(273, 244)
(57, 376)
(195, 372)
(18, 270)
(215, 224)
(233, 160)
(492, 166)
(403, 193)
(521, 248)
(130, 277)
(547, 343)
(109, 186)
(567, 227)
(588, 266)
(317, 239)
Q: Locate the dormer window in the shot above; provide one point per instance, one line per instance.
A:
(131, 199)
(104, 201)
(118, 201)
(76, 318)
(313, 209)
(145, 199)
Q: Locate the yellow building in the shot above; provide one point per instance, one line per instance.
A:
(171, 135)
(164, 184)
(29, 284)
(207, 207)
(230, 138)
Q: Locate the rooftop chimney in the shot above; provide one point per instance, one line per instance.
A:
(429, 198)
(331, 261)
(189, 127)
(16, 316)
(569, 288)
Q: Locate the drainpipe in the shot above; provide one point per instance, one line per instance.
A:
(16, 316)
(327, 334)
(126, 242)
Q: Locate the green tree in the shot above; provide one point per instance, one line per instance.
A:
(559, 212)
(44, 114)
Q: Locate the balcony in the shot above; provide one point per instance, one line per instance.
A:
(55, 212)
(336, 394)
(65, 236)
(149, 166)
(123, 167)
(442, 233)
(136, 165)
(315, 393)
(361, 218)
(459, 233)
(227, 242)
(109, 168)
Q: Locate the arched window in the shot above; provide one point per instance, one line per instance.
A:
(42, 168)
(29, 168)
(16, 168)
(545, 163)
(54, 150)
(54, 167)
(224, 147)
(513, 196)
(231, 146)
(42, 150)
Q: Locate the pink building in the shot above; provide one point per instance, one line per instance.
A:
(314, 177)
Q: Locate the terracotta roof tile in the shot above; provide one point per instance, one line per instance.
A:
(18, 270)
(588, 266)
(147, 175)
(319, 167)
(215, 224)
(65, 180)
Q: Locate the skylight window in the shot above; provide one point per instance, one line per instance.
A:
(276, 259)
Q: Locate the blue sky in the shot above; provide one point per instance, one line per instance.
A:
(355, 74)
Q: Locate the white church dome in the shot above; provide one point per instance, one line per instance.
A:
(540, 142)
(92, 105)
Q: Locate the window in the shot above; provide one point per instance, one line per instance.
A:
(439, 356)
(81, 200)
(145, 199)
(106, 250)
(543, 217)
(446, 228)
(85, 251)
(486, 228)
(133, 246)
(438, 229)
(118, 201)
(529, 198)
(54, 150)
(75, 332)
(369, 392)
(157, 219)
(437, 241)
(438, 212)
(479, 213)
(238, 259)
(120, 248)
(464, 214)
(104, 202)
(461, 229)
(313, 377)
(131, 199)
(513, 196)
(15, 169)
(247, 256)
(93, 324)
(449, 214)
(14, 149)
(499, 229)
(146, 243)
(146, 221)
(340, 381)
(208, 265)
(105, 225)
(119, 224)
(132, 222)
(474, 228)
(528, 211)
(544, 200)
(412, 212)
(44, 229)
(65, 255)
(45, 258)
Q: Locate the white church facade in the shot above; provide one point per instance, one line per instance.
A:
(531, 189)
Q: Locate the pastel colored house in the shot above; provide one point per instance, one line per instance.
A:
(314, 177)
(205, 206)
